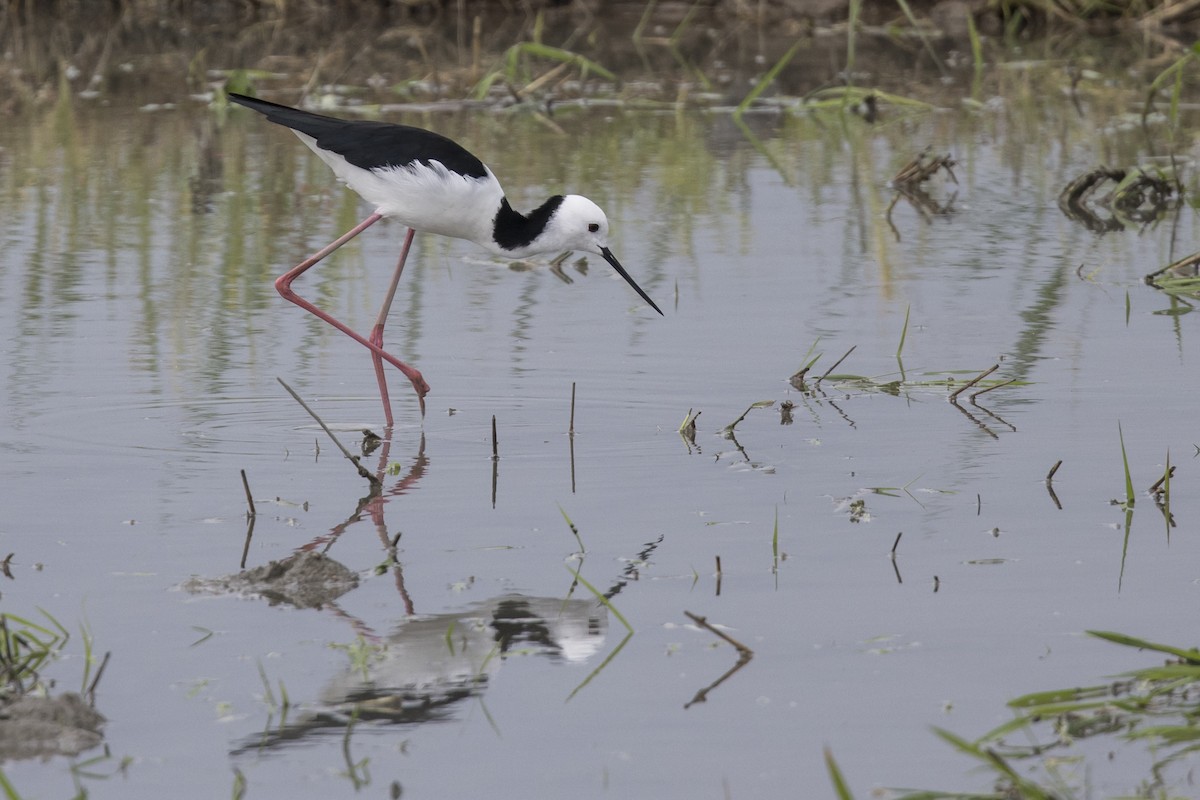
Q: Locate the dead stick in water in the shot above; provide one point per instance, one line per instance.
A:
(1054, 469)
(991, 388)
(896, 543)
(353, 460)
(977, 379)
(495, 441)
(249, 497)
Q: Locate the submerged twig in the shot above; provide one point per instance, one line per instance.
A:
(249, 497)
(1158, 484)
(744, 656)
(745, 652)
(363, 471)
(1054, 469)
(1050, 484)
(919, 170)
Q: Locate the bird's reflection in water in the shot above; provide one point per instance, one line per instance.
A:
(425, 667)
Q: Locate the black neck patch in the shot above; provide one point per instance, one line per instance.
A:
(513, 230)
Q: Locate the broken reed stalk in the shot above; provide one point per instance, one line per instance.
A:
(249, 497)
(495, 442)
(972, 382)
(896, 543)
(1187, 262)
(571, 431)
(835, 365)
(90, 694)
(363, 471)
(1054, 469)
(744, 652)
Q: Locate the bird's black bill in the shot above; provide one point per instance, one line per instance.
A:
(611, 259)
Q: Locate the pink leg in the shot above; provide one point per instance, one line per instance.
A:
(283, 284)
(376, 337)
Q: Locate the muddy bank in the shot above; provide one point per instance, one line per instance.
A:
(435, 49)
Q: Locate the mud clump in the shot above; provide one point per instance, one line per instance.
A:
(305, 580)
(41, 727)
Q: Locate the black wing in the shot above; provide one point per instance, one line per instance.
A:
(367, 144)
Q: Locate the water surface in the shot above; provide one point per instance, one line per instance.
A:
(142, 338)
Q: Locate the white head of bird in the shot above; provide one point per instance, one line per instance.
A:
(577, 224)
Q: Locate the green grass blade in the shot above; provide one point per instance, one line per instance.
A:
(1129, 496)
(852, 34)
(575, 530)
(912, 20)
(601, 598)
(766, 80)
(600, 667)
(539, 50)
(10, 791)
(835, 775)
(1026, 789)
(904, 331)
(1166, 494)
(1056, 696)
(1191, 656)
(976, 44)
(775, 537)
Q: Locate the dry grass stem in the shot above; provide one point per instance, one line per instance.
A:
(363, 471)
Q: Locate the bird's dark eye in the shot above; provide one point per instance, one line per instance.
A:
(595, 226)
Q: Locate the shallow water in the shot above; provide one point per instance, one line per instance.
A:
(142, 340)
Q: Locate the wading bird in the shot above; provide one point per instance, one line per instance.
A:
(429, 183)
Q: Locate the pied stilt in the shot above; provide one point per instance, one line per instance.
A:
(432, 184)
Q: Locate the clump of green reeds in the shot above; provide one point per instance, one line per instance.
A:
(26, 647)
(1158, 706)
(1179, 279)
(521, 72)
